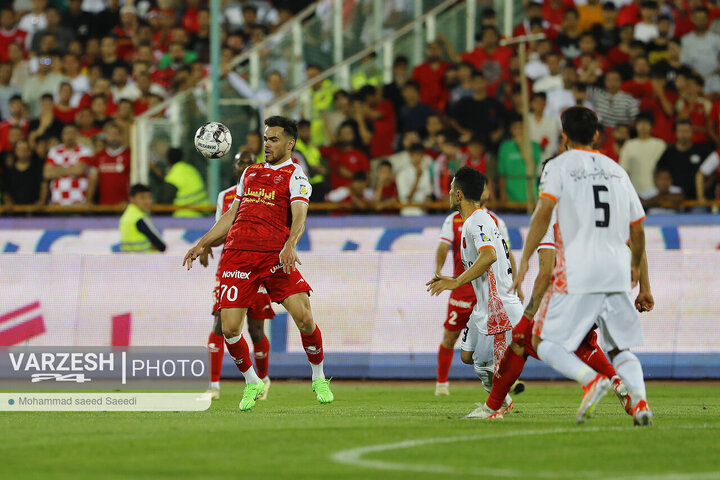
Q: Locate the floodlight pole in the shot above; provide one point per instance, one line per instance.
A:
(213, 111)
(526, 146)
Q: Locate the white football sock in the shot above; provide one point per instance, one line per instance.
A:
(250, 375)
(317, 371)
(629, 368)
(485, 374)
(215, 385)
(565, 362)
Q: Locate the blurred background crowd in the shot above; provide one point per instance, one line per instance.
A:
(74, 74)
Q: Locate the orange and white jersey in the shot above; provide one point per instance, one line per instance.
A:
(224, 201)
(480, 231)
(595, 204)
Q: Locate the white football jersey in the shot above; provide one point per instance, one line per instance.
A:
(490, 313)
(596, 204)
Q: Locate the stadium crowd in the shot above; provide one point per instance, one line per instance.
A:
(71, 81)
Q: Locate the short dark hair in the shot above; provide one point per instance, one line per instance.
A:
(401, 60)
(360, 176)
(645, 116)
(610, 6)
(580, 124)
(139, 188)
(683, 121)
(416, 148)
(47, 96)
(174, 155)
(287, 124)
(412, 84)
(661, 168)
(470, 182)
(385, 163)
(303, 123)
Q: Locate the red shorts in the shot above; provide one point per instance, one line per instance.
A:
(243, 272)
(261, 308)
(459, 310)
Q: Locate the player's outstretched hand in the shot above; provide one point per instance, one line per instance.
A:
(440, 283)
(522, 271)
(288, 258)
(644, 302)
(204, 257)
(191, 255)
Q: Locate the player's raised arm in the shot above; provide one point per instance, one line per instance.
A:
(216, 233)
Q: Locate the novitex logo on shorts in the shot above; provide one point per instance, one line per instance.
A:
(121, 378)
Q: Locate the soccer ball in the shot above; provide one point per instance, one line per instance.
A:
(213, 140)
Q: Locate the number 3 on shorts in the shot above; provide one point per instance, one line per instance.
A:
(232, 292)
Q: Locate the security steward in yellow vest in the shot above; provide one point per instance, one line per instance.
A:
(137, 233)
(183, 185)
(311, 160)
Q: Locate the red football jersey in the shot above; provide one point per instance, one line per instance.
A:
(266, 192)
(452, 233)
(113, 175)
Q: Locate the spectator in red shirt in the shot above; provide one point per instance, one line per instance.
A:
(9, 33)
(62, 110)
(189, 19)
(380, 113)
(86, 126)
(639, 86)
(620, 53)
(694, 107)
(616, 139)
(385, 187)
(430, 75)
(17, 118)
(113, 166)
(477, 157)
(491, 59)
(660, 102)
(345, 157)
(629, 14)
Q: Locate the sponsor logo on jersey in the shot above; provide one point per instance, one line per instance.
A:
(278, 179)
(237, 274)
(484, 237)
(260, 195)
(303, 190)
(276, 268)
(460, 303)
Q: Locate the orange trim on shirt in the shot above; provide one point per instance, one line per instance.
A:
(486, 246)
(547, 195)
(587, 150)
(637, 221)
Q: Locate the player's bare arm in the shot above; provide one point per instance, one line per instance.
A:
(440, 256)
(513, 264)
(546, 258)
(217, 232)
(637, 248)
(288, 255)
(538, 226)
(644, 301)
(439, 283)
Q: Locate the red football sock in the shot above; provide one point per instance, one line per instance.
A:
(522, 335)
(507, 373)
(261, 350)
(240, 352)
(445, 356)
(216, 346)
(592, 355)
(312, 344)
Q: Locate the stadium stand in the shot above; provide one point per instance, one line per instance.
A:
(649, 68)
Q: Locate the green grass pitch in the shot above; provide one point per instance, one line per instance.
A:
(374, 431)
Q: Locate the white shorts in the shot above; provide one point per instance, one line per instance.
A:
(481, 344)
(571, 316)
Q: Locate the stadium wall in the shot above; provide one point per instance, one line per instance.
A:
(368, 274)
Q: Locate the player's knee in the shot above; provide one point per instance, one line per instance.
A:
(256, 330)
(466, 357)
(304, 321)
(450, 338)
(231, 331)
